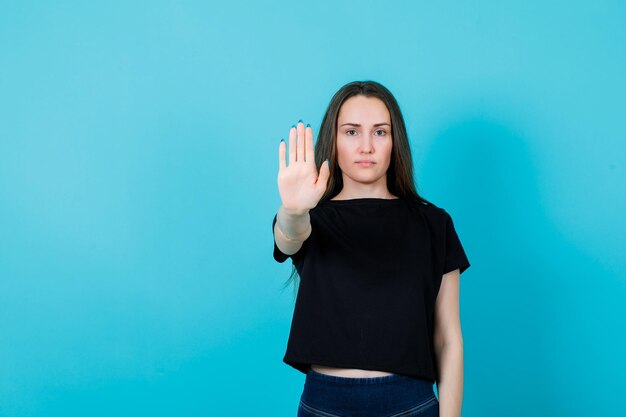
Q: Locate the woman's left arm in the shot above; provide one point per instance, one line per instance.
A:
(448, 344)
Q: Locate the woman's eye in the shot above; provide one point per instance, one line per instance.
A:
(352, 132)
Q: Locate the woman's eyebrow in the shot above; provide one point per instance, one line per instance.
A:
(358, 125)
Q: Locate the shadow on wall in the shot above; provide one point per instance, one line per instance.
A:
(540, 317)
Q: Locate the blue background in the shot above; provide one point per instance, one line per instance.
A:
(138, 162)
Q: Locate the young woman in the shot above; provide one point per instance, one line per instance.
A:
(376, 321)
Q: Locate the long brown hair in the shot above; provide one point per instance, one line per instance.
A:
(400, 180)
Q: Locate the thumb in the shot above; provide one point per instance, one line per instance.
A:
(322, 179)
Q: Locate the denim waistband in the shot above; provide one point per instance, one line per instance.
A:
(377, 395)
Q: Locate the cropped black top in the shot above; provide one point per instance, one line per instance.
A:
(370, 274)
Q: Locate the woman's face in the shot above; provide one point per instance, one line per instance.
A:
(364, 134)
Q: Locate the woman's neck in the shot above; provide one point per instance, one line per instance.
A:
(345, 196)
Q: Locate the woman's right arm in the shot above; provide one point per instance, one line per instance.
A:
(300, 188)
(292, 228)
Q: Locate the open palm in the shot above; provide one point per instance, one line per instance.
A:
(299, 184)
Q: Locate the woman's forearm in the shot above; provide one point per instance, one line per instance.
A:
(450, 384)
(293, 225)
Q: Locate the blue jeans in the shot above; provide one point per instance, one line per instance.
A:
(386, 396)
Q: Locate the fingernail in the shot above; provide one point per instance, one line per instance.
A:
(300, 121)
(308, 125)
(282, 140)
(293, 125)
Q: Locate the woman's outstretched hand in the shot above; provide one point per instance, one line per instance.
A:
(299, 185)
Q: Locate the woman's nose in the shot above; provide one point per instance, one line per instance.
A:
(367, 145)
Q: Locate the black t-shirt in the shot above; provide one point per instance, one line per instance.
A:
(370, 274)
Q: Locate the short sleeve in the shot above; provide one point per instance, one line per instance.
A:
(455, 257)
(280, 256)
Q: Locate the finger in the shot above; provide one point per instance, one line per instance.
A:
(309, 155)
(322, 178)
(292, 145)
(300, 143)
(281, 155)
